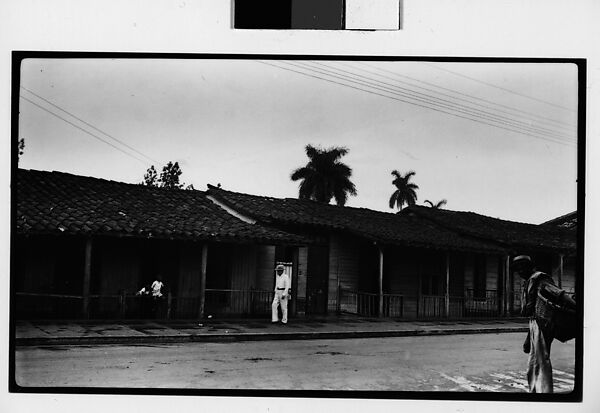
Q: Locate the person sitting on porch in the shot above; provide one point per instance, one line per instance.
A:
(157, 286)
(282, 284)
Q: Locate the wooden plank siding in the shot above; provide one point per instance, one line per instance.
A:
(243, 267)
(190, 267)
(569, 274)
(301, 282)
(34, 265)
(344, 265)
(265, 264)
(116, 266)
(492, 275)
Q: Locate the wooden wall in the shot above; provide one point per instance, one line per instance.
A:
(569, 274)
(265, 264)
(190, 268)
(492, 275)
(344, 256)
(116, 266)
(34, 265)
(302, 267)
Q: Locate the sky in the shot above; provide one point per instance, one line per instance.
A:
(497, 139)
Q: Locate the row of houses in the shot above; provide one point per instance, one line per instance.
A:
(82, 247)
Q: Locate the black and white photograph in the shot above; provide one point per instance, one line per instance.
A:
(299, 205)
(313, 224)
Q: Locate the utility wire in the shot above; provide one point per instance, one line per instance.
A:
(83, 130)
(413, 103)
(519, 112)
(426, 101)
(451, 106)
(448, 104)
(499, 87)
(88, 124)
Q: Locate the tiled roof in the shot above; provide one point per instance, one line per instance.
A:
(512, 234)
(386, 228)
(565, 221)
(61, 203)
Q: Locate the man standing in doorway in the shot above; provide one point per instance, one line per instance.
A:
(541, 330)
(282, 284)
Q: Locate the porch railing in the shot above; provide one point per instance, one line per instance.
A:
(359, 303)
(36, 305)
(245, 302)
(481, 304)
(393, 305)
(367, 304)
(128, 305)
(242, 302)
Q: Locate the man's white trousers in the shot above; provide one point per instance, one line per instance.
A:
(279, 301)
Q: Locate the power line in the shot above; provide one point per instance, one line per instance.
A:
(520, 112)
(433, 100)
(499, 87)
(420, 105)
(469, 111)
(89, 124)
(82, 129)
(413, 103)
(444, 106)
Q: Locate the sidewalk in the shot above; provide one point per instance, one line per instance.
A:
(32, 333)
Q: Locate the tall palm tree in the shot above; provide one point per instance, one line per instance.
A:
(324, 176)
(438, 205)
(405, 192)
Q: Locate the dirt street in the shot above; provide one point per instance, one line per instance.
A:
(484, 362)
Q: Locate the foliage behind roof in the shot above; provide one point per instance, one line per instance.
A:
(61, 203)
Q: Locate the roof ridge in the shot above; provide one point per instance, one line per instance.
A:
(307, 201)
(444, 210)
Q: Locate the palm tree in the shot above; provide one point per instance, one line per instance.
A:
(324, 176)
(405, 191)
(439, 205)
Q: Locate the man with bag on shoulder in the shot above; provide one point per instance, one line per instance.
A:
(542, 328)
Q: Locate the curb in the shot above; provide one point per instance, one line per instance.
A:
(238, 337)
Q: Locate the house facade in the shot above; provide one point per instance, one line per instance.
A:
(420, 263)
(82, 247)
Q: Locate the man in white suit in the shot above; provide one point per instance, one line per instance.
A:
(282, 285)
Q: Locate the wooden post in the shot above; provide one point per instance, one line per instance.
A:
(169, 303)
(293, 310)
(337, 297)
(505, 280)
(122, 303)
(87, 275)
(203, 281)
(447, 297)
(561, 258)
(508, 286)
(380, 282)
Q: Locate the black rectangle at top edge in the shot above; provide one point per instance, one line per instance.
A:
(262, 14)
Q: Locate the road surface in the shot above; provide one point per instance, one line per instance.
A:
(480, 362)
